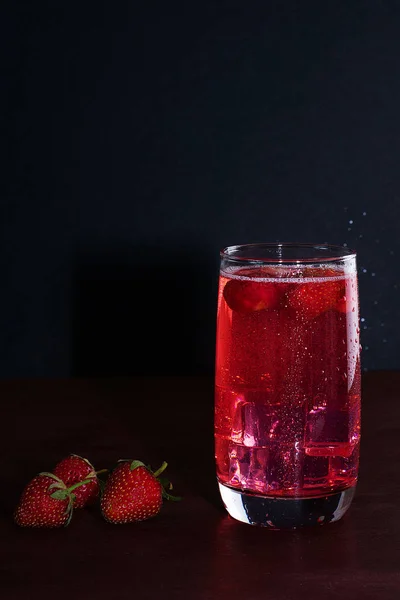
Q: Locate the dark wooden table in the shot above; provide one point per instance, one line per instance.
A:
(193, 550)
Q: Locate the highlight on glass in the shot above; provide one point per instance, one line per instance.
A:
(287, 387)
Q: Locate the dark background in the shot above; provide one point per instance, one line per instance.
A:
(140, 137)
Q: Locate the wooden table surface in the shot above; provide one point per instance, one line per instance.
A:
(192, 550)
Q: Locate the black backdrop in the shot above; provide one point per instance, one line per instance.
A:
(140, 137)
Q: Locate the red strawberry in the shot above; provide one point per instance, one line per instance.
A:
(45, 502)
(75, 469)
(248, 296)
(312, 299)
(133, 493)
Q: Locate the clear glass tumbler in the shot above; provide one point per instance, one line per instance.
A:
(287, 388)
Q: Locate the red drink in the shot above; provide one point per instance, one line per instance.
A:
(287, 412)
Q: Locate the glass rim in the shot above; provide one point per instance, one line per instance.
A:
(333, 253)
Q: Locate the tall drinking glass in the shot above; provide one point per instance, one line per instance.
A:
(287, 389)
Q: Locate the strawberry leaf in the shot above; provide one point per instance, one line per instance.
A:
(169, 497)
(60, 495)
(135, 464)
(161, 469)
(69, 510)
(52, 476)
(56, 485)
(165, 483)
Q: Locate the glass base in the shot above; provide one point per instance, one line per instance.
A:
(285, 513)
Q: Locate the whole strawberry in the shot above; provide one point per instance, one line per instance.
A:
(45, 502)
(74, 469)
(251, 296)
(309, 300)
(133, 493)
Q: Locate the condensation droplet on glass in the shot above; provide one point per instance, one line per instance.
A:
(384, 340)
(362, 319)
(349, 229)
(375, 301)
(373, 274)
(366, 348)
(345, 244)
(351, 222)
(360, 236)
(364, 214)
(364, 270)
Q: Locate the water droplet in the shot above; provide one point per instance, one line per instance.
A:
(366, 347)
(375, 301)
(364, 270)
(362, 319)
(349, 229)
(373, 274)
(351, 222)
(345, 244)
(384, 340)
(360, 236)
(364, 214)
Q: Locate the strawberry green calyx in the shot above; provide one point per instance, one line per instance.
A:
(101, 471)
(52, 476)
(164, 482)
(135, 464)
(160, 470)
(167, 496)
(63, 493)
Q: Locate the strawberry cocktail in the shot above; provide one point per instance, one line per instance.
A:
(287, 397)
